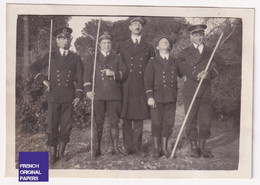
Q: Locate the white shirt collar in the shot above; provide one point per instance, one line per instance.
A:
(165, 56)
(104, 53)
(134, 38)
(62, 51)
(200, 47)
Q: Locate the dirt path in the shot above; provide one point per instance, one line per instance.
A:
(224, 144)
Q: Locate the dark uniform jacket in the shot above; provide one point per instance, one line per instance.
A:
(66, 76)
(161, 79)
(106, 87)
(134, 97)
(191, 63)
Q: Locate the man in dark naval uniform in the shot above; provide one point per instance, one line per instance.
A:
(65, 88)
(192, 63)
(136, 52)
(110, 71)
(161, 88)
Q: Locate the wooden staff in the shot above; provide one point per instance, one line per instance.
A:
(49, 67)
(93, 89)
(194, 97)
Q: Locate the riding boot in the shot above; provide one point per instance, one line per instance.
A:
(156, 152)
(194, 149)
(115, 138)
(165, 151)
(53, 152)
(61, 149)
(97, 151)
(203, 151)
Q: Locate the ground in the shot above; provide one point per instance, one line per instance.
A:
(224, 144)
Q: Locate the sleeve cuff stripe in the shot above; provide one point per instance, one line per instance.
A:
(87, 83)
(79, 90)
(216, 71)
(149, 91)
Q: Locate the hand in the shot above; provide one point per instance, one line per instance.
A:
(202, 74)
(151, 103)
(47, 84)
(76, 102)
(108, 72)
(90, 95)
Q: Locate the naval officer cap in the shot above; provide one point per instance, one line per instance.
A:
(164, 37)
(200, 28)
(105, 36)
(138, 19)
(63, 32)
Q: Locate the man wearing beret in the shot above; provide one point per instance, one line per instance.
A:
(161, 89)
(136, 52)
(192, 63)
(65, 88)
(110, 71)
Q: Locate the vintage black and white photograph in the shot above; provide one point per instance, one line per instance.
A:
(144, 91)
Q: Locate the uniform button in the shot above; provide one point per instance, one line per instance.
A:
(103, 78)
(172, 72)
(164, 81)
(58, 80)
(58, 70)
(163, 72)
(194, 67)
(111, 67)
(66, 85)
(132, 64)
(140, 72)
(164, 85)
(69, 71)
(67, 80)
(131, 71)
(141, 58)
(99, 67)
(171, 85)
(68, 75)
(58, 84)
(132, 58)
(171, 81)
(102, 75)
(110, 78)
(140, 65)
(58, 75)
(163, 76)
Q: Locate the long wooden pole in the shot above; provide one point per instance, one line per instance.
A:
(194, 97)
(93, 89)
(49, 67)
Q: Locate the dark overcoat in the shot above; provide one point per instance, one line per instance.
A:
(191, 63)
(106, 87)
(134, 97)
(161, 79)
(66, 76)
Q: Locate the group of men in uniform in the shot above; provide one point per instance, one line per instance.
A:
(127, 85)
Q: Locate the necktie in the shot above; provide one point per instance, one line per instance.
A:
(136, 43)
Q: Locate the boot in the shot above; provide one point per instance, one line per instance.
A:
(53, 152)
(156, 152)
(115, 138)
(194, 149)
(165, 151)
(97, 151)
(205, 153)
(61, 149)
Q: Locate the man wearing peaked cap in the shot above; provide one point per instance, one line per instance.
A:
(192, 63)
(136, 52)
(66, 69)
(110, 72)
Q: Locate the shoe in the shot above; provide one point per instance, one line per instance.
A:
(165, 151)
(202, 150)
(194, 149)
